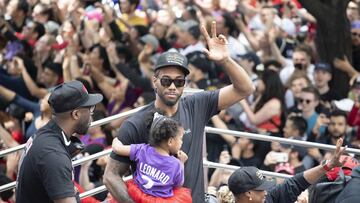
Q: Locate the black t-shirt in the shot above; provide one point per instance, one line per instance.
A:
(251, 161)
(45, 168)
(193, 113)
(330, 96)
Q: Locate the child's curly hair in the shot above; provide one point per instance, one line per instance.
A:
(162, 128)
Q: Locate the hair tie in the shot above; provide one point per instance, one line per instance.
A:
(157, 119)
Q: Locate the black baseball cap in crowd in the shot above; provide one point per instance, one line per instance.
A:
(323, 66)
(251, 56)
(248, 178)
(199, 60)
(172, 59)
(71, 95)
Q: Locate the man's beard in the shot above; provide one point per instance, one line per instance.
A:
(337, 135)
(82, 128)
(168, 102)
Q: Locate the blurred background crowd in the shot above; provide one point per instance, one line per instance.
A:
(111, 46)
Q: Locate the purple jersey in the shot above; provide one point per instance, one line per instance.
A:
(156, 174)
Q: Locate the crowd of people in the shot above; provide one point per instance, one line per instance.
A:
(256, 60)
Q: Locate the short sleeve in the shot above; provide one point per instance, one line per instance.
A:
(134, 151)
(56, 173)
(126, 135)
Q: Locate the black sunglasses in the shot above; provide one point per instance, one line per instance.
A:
(166, 82)
(305, 100)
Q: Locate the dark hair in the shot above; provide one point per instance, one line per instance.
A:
(297, 75)
(54, 67)
(338, 113)
(231, 24)
(273, 89)
(272, 62)
(299, 123)
(39, 29)
(103, 56)
(23, 5)
(163, 129)
(312, 90)
(304, 48)
(125, 52)
(46, 10)
(134, 2)
(148, 97)
(141, 29)
(157, 72)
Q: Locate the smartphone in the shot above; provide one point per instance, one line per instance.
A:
(225, 147)
(281, 157)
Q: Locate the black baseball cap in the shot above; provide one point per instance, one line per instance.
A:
(172, 59)
(323, 66)
(248, 178)
(251, 56)
(71, 95)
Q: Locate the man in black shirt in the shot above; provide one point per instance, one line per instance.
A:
(45, 168)
(192, 111)
(322, 77)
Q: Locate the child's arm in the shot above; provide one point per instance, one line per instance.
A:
(119, 148)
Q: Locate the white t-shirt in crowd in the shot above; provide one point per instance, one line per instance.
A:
(289, 69)
(199, 46)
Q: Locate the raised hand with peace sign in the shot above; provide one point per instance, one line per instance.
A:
(217, 44)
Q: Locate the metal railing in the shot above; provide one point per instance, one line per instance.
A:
(208, 164)
(207, 129)
(281, 140)
(99, 189)
(93, 124)
(11, 150)
(212, 130)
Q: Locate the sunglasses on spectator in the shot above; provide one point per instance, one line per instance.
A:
(307, 101)
(355, 34)
(166, 82)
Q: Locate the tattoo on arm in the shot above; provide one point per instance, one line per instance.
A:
(114, 182)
